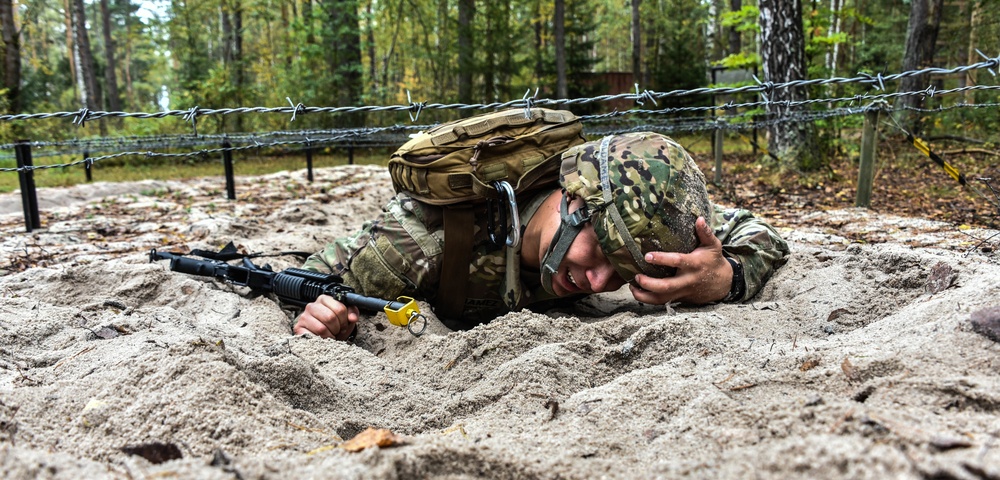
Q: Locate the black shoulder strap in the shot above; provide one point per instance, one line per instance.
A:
(457, 256)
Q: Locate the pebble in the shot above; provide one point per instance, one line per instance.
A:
(986, 322)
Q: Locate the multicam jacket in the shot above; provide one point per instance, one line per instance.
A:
(400, 254)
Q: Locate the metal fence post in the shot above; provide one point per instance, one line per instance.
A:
(88, 167)
(309, 162)
(26, 176)
(866, 171)
(227, 161)
(718, 151)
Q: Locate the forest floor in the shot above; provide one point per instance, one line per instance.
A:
(905, 184)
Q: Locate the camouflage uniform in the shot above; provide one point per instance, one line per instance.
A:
(400, 252)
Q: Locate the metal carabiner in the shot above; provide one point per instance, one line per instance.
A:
(506, 191)
(504, 233)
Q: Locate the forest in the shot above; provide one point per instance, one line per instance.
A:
(155, 56)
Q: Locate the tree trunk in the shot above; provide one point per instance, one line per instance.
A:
(735, 42)
(110, 79)
(127, 67)
(307, 19)
(86, 60)
(929, 48)
(536, 27)
(226, 27)
(636, 43)
(466, 49)
(11, 57)
(71, 51)
(915, 32)
(559, 29)
(372, 61)
(783, 58)
(344, 56)
(237, 66)
(974, 17)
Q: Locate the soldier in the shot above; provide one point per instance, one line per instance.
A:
(629, 208)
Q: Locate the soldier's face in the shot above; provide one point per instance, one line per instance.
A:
(585, 269)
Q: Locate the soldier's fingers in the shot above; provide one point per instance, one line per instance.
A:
(651, 297)
(308, 323)
(331, 313)
(347, 328)
(665, 259)
(706, 237)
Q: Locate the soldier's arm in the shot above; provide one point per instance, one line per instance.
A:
(392, 256)
(751, 242)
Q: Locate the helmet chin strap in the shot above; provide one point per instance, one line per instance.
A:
(570, 225)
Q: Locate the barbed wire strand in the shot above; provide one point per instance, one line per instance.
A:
(83, 115)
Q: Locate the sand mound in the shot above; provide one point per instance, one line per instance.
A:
(856, 361)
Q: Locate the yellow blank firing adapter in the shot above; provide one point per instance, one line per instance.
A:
(406, 315)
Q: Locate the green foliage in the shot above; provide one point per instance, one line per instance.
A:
(744, 20)
(744, 60)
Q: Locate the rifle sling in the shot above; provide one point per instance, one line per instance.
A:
(458, 221)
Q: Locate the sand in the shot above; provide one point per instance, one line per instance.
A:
(855, 361)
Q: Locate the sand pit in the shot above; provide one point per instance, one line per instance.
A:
(856, 360)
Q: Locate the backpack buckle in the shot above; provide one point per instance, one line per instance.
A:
(497, 211)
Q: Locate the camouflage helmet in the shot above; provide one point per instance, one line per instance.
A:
(642, 193)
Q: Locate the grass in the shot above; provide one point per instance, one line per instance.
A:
(152, 169)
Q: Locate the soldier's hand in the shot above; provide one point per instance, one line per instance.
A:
(327, 318)
(703, 276)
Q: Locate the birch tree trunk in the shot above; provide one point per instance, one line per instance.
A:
(783, 57)
(86, 60)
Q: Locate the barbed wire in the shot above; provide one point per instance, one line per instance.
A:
(86, 146)
(366, 137)
(391, 134)
(199, 153)
(692, 124)
(80, 117)
(118, 142)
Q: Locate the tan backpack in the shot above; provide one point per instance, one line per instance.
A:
(490, 158)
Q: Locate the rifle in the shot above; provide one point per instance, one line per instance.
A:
(295, 286)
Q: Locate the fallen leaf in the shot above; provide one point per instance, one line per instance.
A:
(371, 437)
(809, 364)
(852, 373)
(155, 452)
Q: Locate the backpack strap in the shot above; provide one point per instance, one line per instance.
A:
(455, 261)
